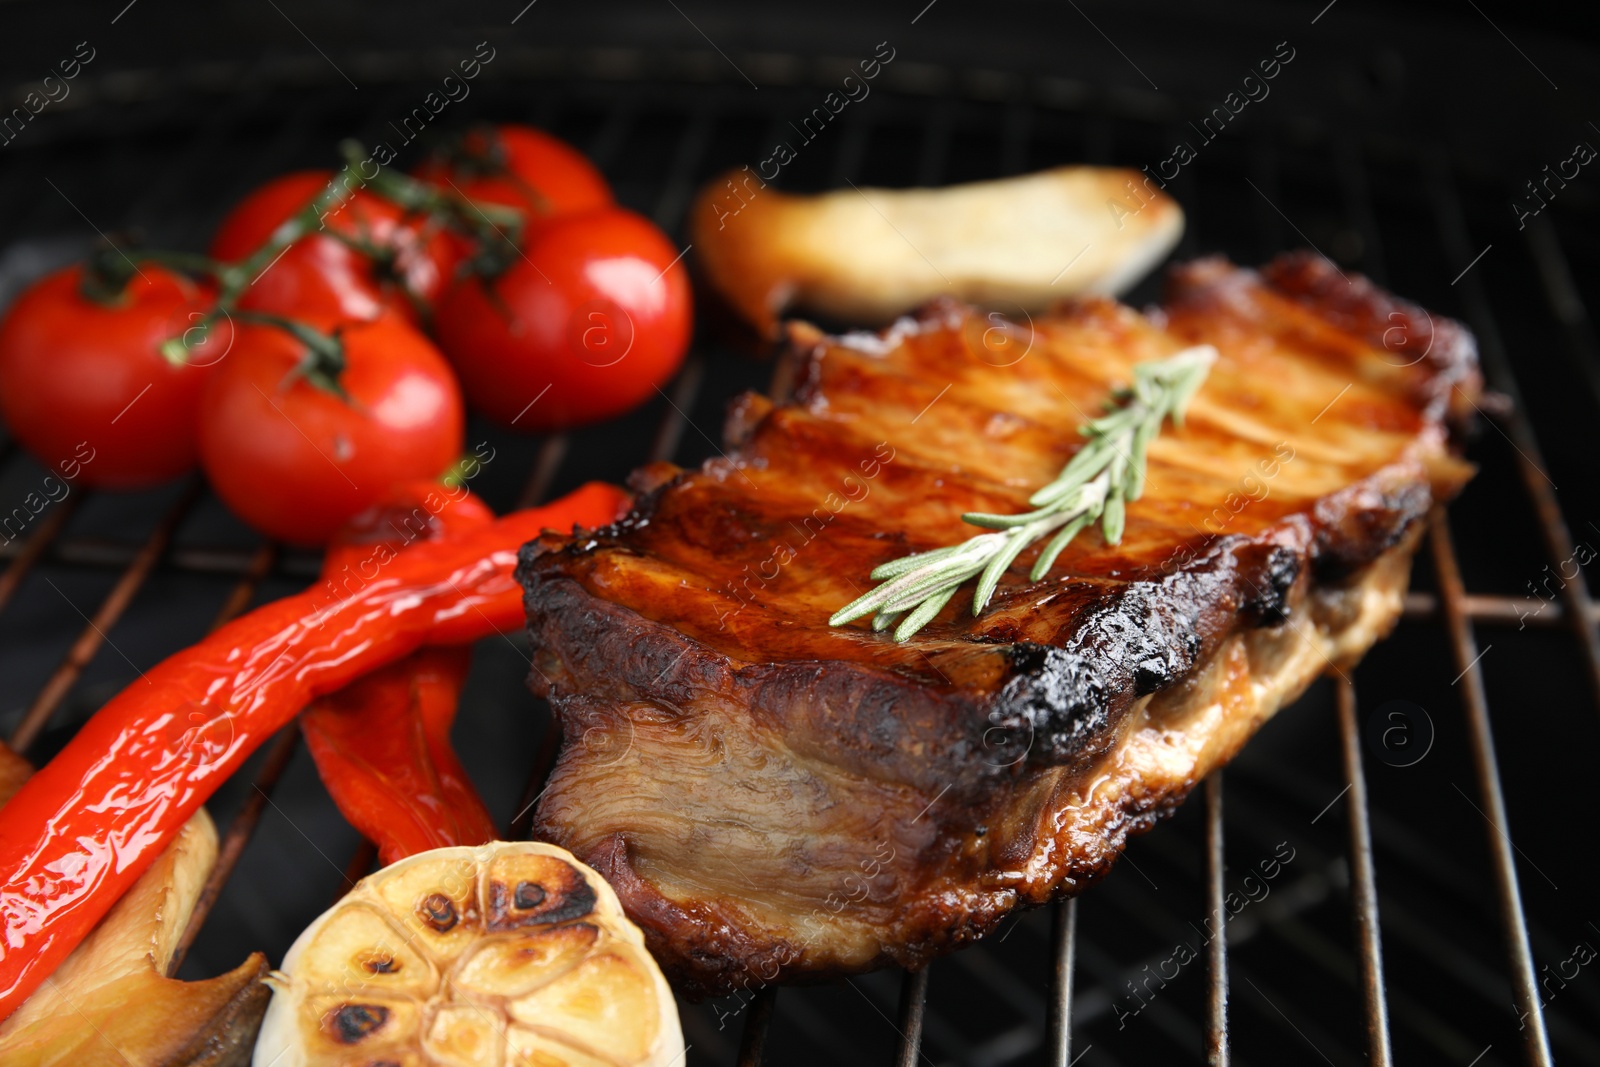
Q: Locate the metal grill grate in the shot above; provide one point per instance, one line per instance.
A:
(1054, 994)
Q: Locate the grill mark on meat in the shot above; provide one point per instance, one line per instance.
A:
(774, 799)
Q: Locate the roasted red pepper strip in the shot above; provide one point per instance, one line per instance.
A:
(382, 743)
(89, 823)
(382, 747)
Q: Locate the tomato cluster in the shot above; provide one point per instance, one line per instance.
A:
(310, 379)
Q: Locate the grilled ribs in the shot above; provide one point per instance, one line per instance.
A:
(774, 799)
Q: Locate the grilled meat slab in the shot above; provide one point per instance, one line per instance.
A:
(773, 799)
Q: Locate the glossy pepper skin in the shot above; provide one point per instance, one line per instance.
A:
(382, 748)
(382, 743)
(83, 829)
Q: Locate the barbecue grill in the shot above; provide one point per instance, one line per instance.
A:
(1423, 817)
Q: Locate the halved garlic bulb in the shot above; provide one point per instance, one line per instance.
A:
(510, 954)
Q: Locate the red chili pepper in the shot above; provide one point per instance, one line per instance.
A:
(382, 747)
(382, 744)
(79, 833)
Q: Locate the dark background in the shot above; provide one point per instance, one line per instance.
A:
(1395, 143)
(1440, 71)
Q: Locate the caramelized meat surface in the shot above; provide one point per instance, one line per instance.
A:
(774, 799)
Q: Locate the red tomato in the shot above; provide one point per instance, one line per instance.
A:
(520, 167)
(295, 460)
(323, 277)
(85, 388)
(586, 325)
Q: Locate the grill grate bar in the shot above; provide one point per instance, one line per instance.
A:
(1019, 994)
(1015, 133)
(913, 1007)
(238, 835)
(1058, 1016)
(753, 1041)
(545, 467)
(1581, 608)
(1357, 191)
(1109, 974)
(1217, 951)
(1453, 607)
(1529, 459)
(1495, 609)
(679, 402)
(553, 451)
(544, 758)
(93, 635)
(360, 863)
(1363, 889)
(679, 183)
(1565, 301)
(259, 567)
(692, 146)
(1450, 221)
(1296, 928)
(99, 553)
(244, 823)
(34, 548)
(1523, 984)
(1356, 187)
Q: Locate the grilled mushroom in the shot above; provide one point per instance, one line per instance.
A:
(111, 1001)
(865, 256)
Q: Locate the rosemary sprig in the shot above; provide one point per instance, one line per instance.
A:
(1097, 484)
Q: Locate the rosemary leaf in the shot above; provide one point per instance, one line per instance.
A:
(1089, 461)
(1020, 539)
(1095, 485)
(924, 614)
(1134, 487)
(910, 563)
(1005, 522)
(1112, 522)
(885, 619)
(907, 598)
(1057, 543)
(865, 604)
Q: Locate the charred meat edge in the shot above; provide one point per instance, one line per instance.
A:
(1154, 652)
